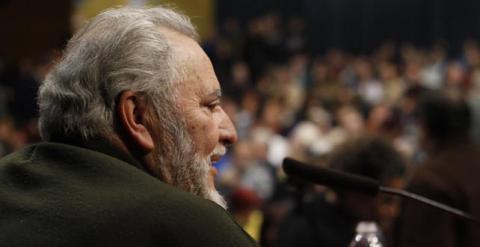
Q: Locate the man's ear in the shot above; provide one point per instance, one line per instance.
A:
(132, 110)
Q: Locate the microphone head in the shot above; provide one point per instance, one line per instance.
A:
(330, 177)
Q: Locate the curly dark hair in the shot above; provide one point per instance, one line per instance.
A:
(369, 156)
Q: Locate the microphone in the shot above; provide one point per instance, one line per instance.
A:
(330, 177)
(360, 184)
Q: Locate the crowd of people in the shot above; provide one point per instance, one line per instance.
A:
(287, 102)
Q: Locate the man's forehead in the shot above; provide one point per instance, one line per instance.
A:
(182, 44)
(195, 64)
(203, 86)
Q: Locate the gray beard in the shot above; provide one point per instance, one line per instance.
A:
(181, 166)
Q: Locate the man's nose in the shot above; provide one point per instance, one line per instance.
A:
(228, 134)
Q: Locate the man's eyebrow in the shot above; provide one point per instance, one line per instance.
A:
(216, 93)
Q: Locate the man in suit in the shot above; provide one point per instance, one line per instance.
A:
(132, 122)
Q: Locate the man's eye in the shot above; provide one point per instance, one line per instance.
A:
(213, 105)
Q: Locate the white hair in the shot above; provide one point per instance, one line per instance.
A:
(126, 49)
(120, 49)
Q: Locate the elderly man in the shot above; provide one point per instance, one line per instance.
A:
(132, 121)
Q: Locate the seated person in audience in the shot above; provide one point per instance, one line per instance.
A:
(448, 174)
(328, 218)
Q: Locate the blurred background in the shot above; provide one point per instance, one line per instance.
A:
(300, 79)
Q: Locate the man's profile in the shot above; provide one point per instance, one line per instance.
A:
(132, 122)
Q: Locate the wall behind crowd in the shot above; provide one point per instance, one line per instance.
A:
(31, 28)
(361, 26)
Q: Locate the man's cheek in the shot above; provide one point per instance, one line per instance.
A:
(210, 137)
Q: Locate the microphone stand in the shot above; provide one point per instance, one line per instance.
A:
(360, 184)
(430, 202)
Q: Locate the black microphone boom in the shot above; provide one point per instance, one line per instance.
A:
(342, 180)
(329, 177)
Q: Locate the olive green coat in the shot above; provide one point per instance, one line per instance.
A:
(54, 194)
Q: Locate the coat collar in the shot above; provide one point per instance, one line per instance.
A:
(102, 145)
